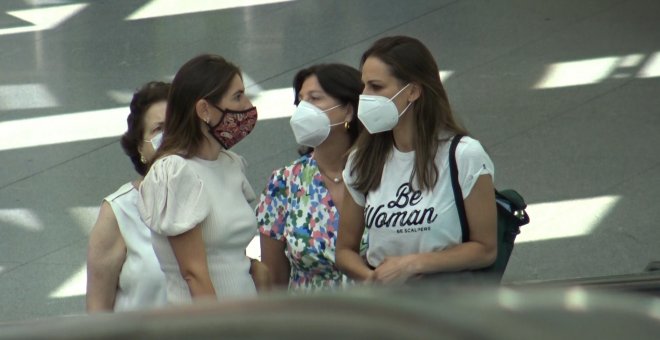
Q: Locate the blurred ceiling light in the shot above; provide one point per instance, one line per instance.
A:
(25, 96)
(162, 8)
(654, 309)
(23, 218)
(76, 285)
(42, 18)
(121, 96)
(564, 219)
(573, 73)
(88, 125)
(85, 217)
(593, 71)
(275, 103)
(444, 75)
(576, 299)
(652, 67)
(62, 128)
(509, 299)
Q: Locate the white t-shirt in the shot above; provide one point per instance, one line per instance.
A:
(404, 220)
(178, 194)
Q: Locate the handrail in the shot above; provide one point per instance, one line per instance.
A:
(645, 282)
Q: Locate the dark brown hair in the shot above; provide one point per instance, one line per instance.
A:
(204, 77)
(149, 94)
(339, 81)
(409, 61)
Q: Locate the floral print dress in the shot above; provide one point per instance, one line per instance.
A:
(296, 208)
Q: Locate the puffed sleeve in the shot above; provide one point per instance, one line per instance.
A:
(472, 161)
(349, 180)
(272, 210)
(172, 197)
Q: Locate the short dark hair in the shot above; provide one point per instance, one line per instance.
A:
(149, 94)
(341, 82)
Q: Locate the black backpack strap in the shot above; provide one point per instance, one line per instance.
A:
(458, 193)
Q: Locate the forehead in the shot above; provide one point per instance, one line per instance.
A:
(236, 84)
(375, 69)
(311, 83)
(155, 113)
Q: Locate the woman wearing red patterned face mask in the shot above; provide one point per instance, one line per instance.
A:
(195, 197)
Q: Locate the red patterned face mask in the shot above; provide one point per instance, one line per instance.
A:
(233, 126)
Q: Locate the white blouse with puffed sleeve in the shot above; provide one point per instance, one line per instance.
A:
(179, 194)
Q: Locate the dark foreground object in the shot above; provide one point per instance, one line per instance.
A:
(437, 312)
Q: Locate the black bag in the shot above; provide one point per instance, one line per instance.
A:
(511, 215)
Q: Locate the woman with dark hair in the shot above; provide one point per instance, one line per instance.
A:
(122, 269)
(298, 213)
(195, 197)
(398, 178)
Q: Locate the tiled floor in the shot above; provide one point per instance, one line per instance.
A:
(565, 95)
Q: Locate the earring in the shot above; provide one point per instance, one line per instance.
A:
(207, 119)
(142, 159)
(347, 125)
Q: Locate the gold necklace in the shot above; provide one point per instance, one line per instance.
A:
(336, 180)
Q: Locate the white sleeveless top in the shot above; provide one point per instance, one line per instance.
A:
(178, 194)
(141, 282)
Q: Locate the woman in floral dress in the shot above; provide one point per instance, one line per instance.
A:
(298, 212)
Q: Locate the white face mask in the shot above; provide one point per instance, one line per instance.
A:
(310, 125)
(378, 113)
(156, 141)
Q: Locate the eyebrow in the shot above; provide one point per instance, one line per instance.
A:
(241, 91)
(372, 81)
(311, 93)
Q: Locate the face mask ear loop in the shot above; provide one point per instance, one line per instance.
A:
(403, 88)
(326, 113)
(332, 108)
(394, 96)
(404, 110)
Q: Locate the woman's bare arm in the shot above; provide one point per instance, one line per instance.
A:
(106, 253)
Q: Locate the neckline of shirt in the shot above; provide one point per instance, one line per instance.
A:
(396, 153)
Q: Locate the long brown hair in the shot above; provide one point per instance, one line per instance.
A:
(204, 77)
(409, 61)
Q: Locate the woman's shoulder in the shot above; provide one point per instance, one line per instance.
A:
(173, 169)
(296, 167)
(168, 163)
(469, 146)
(123, 191)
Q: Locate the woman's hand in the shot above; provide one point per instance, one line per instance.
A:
(395, 270)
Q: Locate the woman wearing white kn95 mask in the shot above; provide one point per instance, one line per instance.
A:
(122, 269)
(298, 213)
(398, 180)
